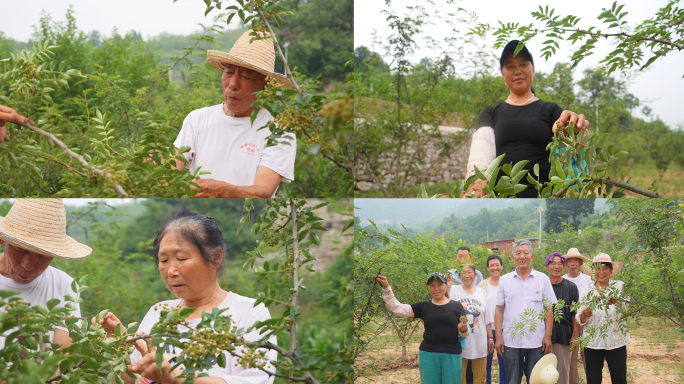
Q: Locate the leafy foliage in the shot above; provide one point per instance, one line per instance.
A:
(402, 105)
(658, 35)
(109, 101)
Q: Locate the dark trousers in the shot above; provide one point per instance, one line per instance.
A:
(502, 366)
(519, 360)
(617, 365)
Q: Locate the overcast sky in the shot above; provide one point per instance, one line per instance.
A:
(149, 17)
(661, 87)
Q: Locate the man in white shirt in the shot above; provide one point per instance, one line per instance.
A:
(32, 234)
(574, 264)
(223, 140)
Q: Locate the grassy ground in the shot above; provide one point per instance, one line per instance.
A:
(656, 356)
(642, 175)
(672, 184)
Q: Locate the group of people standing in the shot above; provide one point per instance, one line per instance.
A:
(490, 308)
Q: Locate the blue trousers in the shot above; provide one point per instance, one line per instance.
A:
(502, 366)
(519, 360)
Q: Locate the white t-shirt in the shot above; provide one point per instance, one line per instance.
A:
(231, 148)
(476, 306)
(580, 281)
(51, 284)
(243, 315)
(492, 291)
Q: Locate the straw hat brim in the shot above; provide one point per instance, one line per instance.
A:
(617, 267)
(79, 250)
(538, 377)
(575, 253)
(219, 59)
(583, 258)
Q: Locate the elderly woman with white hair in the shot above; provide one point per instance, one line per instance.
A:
(189, 250)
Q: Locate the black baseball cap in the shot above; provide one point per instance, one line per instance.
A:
(437, 275)
(509, 49)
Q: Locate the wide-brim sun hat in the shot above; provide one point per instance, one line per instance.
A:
(39, 225)
(604, 258)
(545, 371)
(574, 253)
(259, 55)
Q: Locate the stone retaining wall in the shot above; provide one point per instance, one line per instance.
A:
(449, 169)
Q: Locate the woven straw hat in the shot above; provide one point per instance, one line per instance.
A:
(574, 253)
(39, 225)
(258, 55)
(604, 258)
(544, 371)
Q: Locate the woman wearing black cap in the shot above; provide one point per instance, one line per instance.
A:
(440, 352)
(520, 126)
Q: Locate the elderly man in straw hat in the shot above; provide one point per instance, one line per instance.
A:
(574, 263)
(32, 234)
(222, 139)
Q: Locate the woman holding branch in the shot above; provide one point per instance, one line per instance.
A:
(444, 321)
(520, 126)
(190, 251)
(613, 345)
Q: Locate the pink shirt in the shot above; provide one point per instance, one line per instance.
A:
(518, 295)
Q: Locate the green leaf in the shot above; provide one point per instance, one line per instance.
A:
(494, 164)
(315, 239)
(254, 115)
(52, 303)
(159, 357)
(479, 173)
(221, 360)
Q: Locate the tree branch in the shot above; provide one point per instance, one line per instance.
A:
(628, 187)
(681, 325)
(56, 377)
(295, 274)
(286, 64)
(75, 156)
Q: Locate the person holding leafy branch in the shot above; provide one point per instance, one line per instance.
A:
(9, 115)
(440, 350)
(33, 233)
(613, 347)
(190, 250)
(222, 138)
(520, 126)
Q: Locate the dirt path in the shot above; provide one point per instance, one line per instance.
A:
(656, 356)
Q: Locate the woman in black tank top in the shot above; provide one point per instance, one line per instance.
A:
(444, 321)
(522, 125)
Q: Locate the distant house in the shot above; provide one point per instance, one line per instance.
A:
(504, 247)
